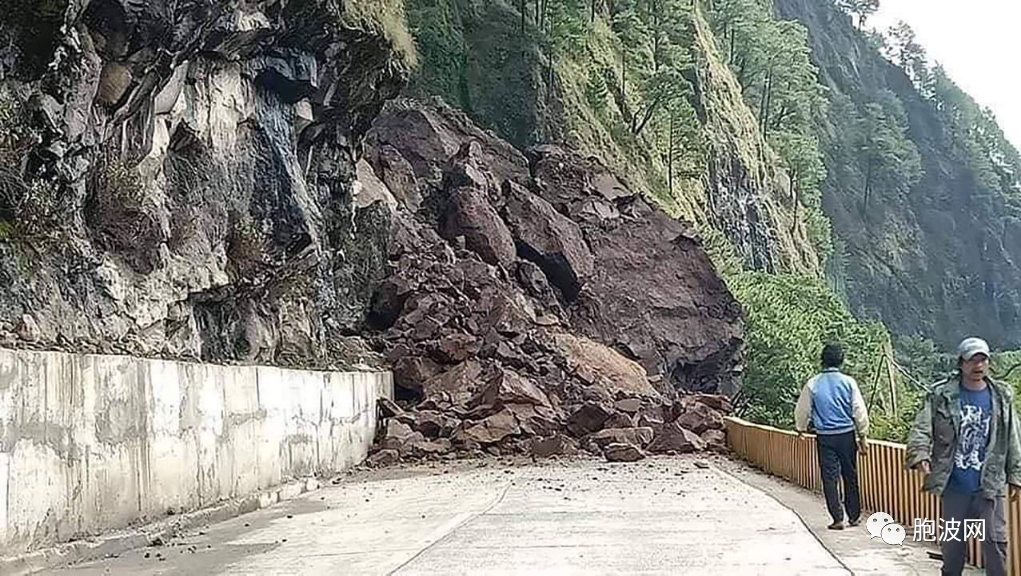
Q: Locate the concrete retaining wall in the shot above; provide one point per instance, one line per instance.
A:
(93, 443)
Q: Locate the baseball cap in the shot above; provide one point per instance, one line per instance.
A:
(972, 346)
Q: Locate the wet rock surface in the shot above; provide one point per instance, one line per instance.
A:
(534, 305)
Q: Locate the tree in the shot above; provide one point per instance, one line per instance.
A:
(686, 146)
(888, 159)
(906, 52)
(745, 26)
(789, 318)
(655, 36)
(632, 34)
(860, 8)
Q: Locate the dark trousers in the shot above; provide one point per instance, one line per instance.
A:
(838, 459)
(961, 507)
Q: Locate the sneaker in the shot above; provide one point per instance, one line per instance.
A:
(836, 526)
(854, 522)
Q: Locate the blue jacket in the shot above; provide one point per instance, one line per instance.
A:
(833, 403)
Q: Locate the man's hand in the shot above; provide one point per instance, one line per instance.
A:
(923, 466)
(863, 446)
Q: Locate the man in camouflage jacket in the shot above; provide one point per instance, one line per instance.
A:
(965, 440)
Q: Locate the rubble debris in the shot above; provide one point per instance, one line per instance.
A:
(385, 457)
(555, 445)
(636, 436)
(699, 417)
(618, 452)
(535, 305)
(587, 419)
(715, 440)
(673, 438)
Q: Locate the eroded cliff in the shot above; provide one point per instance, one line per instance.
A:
(177, 176)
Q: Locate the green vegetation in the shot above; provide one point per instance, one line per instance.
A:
(788, 320)
(922, 189)
(30, 209)
(388, 17)
(770, 59)
(861, 9)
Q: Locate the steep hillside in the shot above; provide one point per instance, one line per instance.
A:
(640, 85)
(922, 190)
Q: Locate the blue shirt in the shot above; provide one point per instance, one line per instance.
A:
(976, 413)
(833, 402)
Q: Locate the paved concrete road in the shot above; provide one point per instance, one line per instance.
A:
(657, 516)
(861, 553)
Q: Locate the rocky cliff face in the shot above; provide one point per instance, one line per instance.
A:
(177, 176)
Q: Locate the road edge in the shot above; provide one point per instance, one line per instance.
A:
(103, 546)
(829, 550)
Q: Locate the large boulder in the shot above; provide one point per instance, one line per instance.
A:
(549, 239)
(588, 418)
(470, 215)
(600, 366)
(507, 387)
(636, 436)
(623, 453)
(554, 445)
(698, 418)
(654, 292)
(673, 438)
(489, 430)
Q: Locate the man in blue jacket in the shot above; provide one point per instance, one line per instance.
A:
(833, 404)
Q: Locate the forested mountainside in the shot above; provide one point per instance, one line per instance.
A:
(916, 180)
(923, 189)
(639, 84)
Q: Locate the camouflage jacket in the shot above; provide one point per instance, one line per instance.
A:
(933, 437)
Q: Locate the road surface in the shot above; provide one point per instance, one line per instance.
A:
(664, 515)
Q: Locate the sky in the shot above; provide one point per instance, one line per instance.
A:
(976, 41)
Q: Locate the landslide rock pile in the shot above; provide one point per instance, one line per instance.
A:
(534, 304)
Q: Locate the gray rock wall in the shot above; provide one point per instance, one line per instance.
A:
(178, 180)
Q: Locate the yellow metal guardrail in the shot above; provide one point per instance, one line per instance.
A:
(886, 485)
